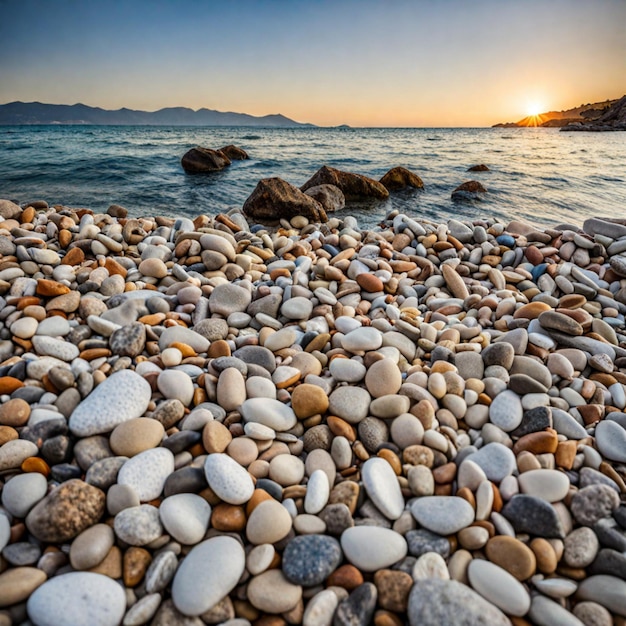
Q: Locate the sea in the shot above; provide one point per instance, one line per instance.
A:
(539, 175)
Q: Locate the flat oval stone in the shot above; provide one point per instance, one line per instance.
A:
(435, 602)
(207, 574)
(269, 412)
(228, 479)
(81, 598)
(371, 548)
(286, 469)
(381, 485)
(546, 612)
(136, 435)
(271, 592)
(176, 384)
(362, 339)
(611, 440)
(608, 591)
(120, 397)
(506, 411)
(317, 492)
(23, 492)
(581, 547)
(91, 546)
(498, 587)
(17, 584)
(550, 485)
(269, 522)
(512, 555)
(308, 560)
(444, 515)
(14, 452)
(147, 472)
(347, 370)
(496, 460)
(185, 516)
(383, 378)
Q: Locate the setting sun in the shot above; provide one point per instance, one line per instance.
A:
(534, 109)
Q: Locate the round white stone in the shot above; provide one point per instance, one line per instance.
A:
(371, 548)
(176, 384)
(78, 598)
(120, 397)
(269, 412)
(207, 574)
(362, 339)
(185, 516)
(381, 485)
(147, 472)
(444, 515)
(228, 479)
(611, 440)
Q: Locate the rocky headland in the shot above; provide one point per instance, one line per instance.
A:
(220, 422)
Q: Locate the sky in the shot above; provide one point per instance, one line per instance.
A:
(358, 62)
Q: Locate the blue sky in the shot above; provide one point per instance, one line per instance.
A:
(382, 63)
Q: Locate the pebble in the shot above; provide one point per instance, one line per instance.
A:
(358, 607)
(269, 522)
(121, 397)
(208, 573)
(371, 548)
(229, 480)
(185, 516)
(506, 411)
(550, 485)
(435, 602)
(308, 560)
(23, 492)
(499, 587)
(444, 515)
(80, 597)
(147, 472)
(269, 412)
(138, 525)
(317, 492)
(91, 546)
(271, 592)
(546, 612)
(611, 440)
(382, 487)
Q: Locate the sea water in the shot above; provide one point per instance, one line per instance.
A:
(541, 175)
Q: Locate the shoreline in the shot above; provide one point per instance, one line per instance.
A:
(310, 424)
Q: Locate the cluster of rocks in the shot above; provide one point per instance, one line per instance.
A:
(201, 160)
(213, 422)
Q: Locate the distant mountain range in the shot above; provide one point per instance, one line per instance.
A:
(17, 113)
(607, 115)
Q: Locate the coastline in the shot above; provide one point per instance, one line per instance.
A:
(366, 426)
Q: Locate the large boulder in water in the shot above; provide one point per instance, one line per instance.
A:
(353, 186)
(200, 160)
(398, 178)
(329, 196)
(234, 153)
(274, 199)
(470, 190)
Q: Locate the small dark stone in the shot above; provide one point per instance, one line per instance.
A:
(398, 178)
(609, 562)
(67, 401)
(103, 473)
(129, 340)
(478, 168)
(619, 515)
(318, 437)
(224, 362)
(337, 518)
(499, 353)
(523, 384)
(91, 449)
(185, 480)
(57, 450)
(234, 153)
(257, 355)
(64, 472)
(29, 394)
(181, 441)
(529, 514)
(201, 160)
(44, 430)
(534, 420)
(273, 488)
(61, 378)
(610, 534)
(470, 190)
(422, 541)
(309, 559)
(358, 608)
(115, 210)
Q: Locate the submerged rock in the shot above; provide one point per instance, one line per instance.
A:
(201, 160)
(400, 178)
(353, 186)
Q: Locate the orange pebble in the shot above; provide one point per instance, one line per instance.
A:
(35, 464)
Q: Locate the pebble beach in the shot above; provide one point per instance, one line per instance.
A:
(213, 421)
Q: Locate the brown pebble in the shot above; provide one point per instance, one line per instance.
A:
(75, 256)
(15, 412)
(35, 464)
(7, 433)
(386, 618)
(512, 555)
(215, 437)
(565, 454)
(258, 496)
(134, 565)
(8, 384)
(393, 589)
(346, 493)
(51, 288)
(111, 565)
(544, 554)
(537, 443)
(228, 518)
(346, 576)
